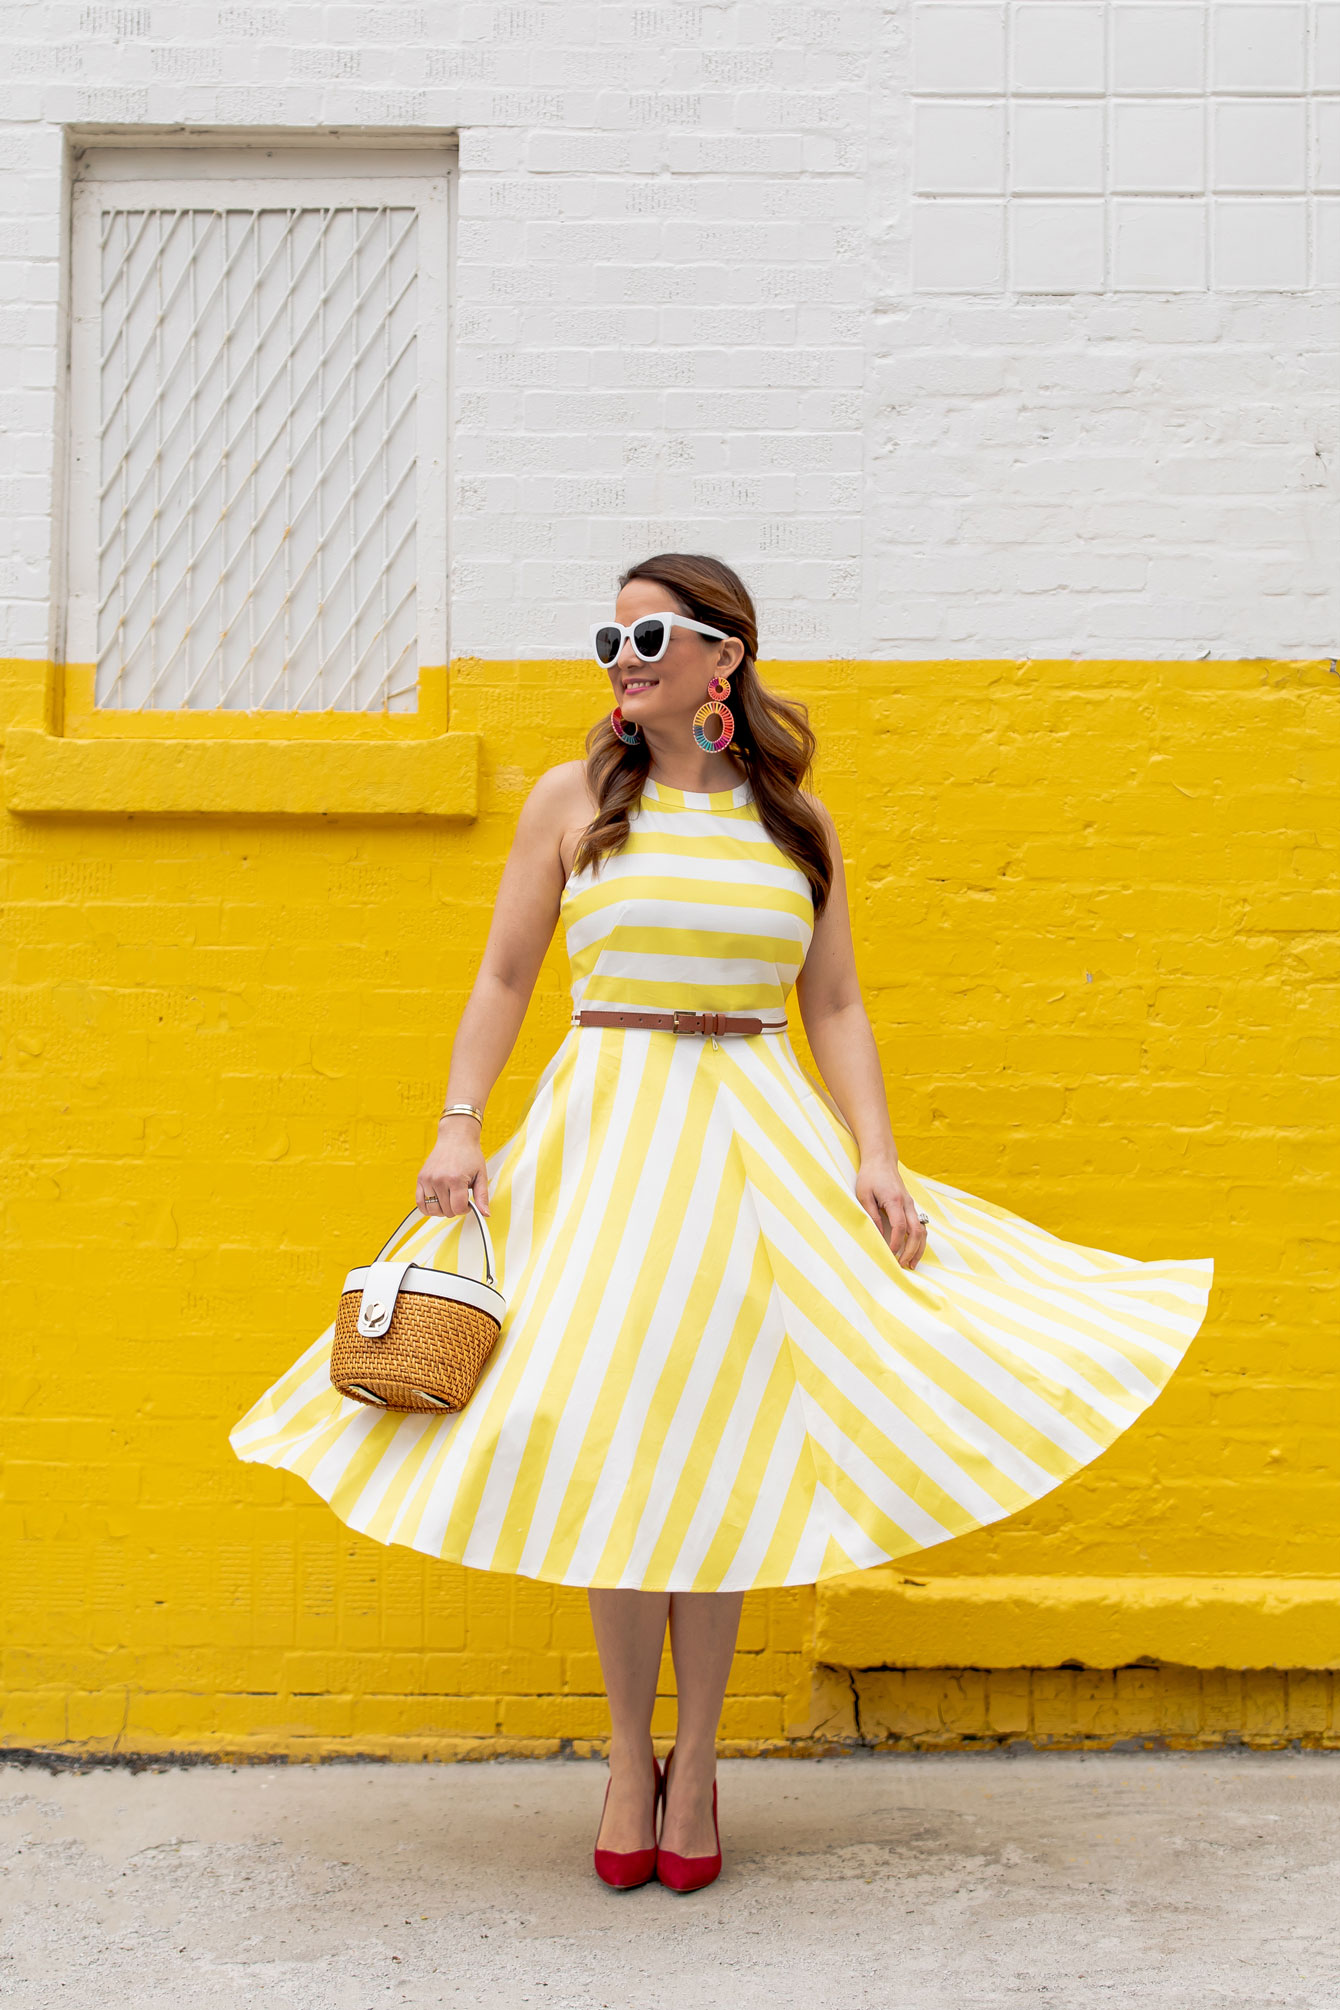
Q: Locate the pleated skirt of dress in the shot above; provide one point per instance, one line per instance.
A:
(713, 1374)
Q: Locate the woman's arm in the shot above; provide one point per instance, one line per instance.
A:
(520, 932)
(837, 1027)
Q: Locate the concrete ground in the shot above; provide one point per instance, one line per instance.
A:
(918, 1883)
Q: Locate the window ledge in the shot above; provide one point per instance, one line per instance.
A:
(49, 776)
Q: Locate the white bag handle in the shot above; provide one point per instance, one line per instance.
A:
(486, 1240)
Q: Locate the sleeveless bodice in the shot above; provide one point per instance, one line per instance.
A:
(699, 909)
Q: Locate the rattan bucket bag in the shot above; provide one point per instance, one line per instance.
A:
(408, 1337)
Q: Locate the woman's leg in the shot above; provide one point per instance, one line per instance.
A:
(630, 1635)
(703, 1626)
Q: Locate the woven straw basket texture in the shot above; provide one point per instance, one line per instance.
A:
(432, 1344)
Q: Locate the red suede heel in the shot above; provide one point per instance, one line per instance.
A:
(626, 1869)
(688, 1873)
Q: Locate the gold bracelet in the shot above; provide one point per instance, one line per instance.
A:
(463, 1110)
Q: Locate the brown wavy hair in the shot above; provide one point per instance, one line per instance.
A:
(773, 746)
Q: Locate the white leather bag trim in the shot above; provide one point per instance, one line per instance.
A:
(433, 1284)
(381, 1288)
(416, 1218)
(381, 1283)
(486, 1240)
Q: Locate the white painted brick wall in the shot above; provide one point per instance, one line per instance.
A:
(962, 326)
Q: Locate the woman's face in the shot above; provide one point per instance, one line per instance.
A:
(670, 691)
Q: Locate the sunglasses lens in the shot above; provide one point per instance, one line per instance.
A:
(648, 639)
(607, 644)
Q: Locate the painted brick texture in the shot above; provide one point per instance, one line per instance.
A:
(1048, 551)
(1064, 1709)
(732, 276)
(1095, 924)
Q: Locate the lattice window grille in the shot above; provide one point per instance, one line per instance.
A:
(261, 434)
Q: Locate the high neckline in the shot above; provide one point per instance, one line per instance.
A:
(695, 799)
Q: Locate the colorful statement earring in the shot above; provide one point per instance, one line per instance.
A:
(718, 691)
(628, 734)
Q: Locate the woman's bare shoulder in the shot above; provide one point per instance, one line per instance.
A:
(557, 811)
(562, 794)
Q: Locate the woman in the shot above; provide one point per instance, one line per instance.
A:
(731, 1357)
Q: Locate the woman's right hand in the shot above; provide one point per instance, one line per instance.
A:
(451, 1170)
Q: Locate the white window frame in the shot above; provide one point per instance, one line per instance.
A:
(417, 175)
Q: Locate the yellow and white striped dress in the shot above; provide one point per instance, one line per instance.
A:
(713, 1374)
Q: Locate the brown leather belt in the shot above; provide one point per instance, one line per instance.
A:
(679, 1022)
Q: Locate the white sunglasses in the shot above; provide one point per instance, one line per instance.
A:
(650, 637)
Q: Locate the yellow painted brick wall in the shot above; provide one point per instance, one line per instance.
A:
(1096, 916)
(1077, 1709)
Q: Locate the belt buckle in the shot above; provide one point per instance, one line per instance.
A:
(675, 1018)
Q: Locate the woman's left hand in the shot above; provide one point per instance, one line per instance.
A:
(879, 1184)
